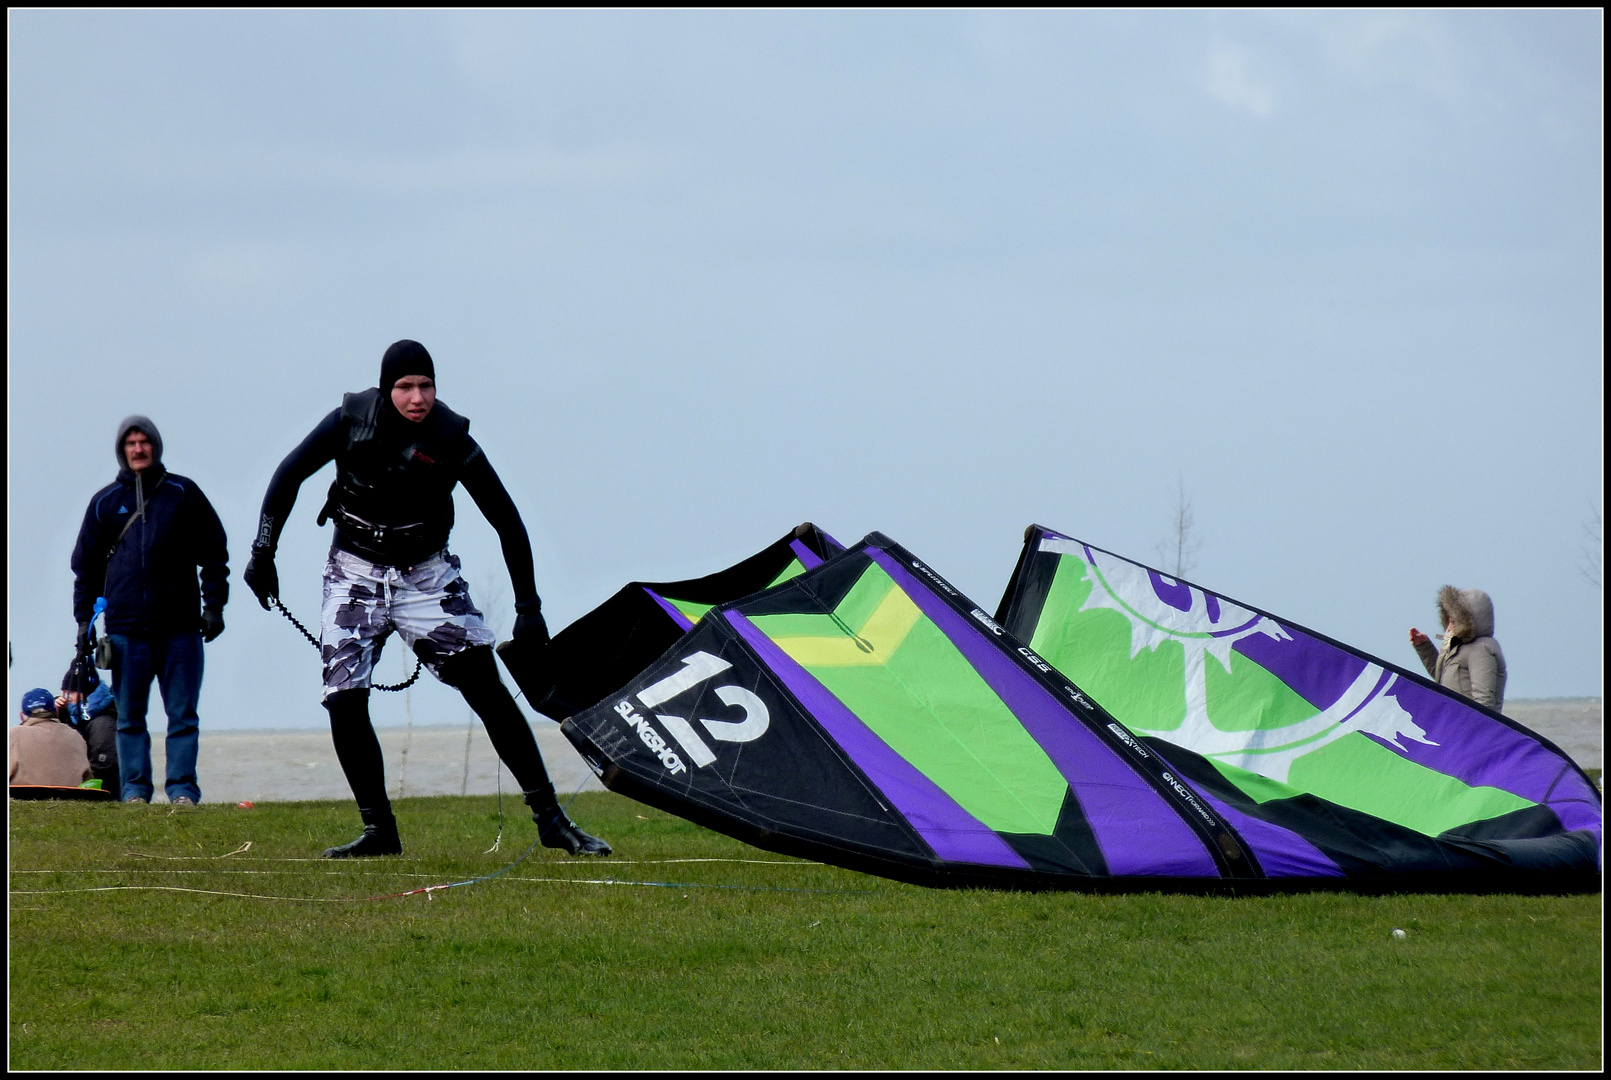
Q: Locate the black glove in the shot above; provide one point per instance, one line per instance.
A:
(529, 622)
(83, 643)
(212, 623)
(261, 578)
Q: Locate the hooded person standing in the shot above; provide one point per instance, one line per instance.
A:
(1470, 662)
(399, 453)
(146, 539)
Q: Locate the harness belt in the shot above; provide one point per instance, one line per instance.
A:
(380, 540)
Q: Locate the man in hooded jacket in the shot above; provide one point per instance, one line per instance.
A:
(399, 453)
(1470, 662)
(144, 538)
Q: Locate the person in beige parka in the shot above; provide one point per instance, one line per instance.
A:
(1470, 662)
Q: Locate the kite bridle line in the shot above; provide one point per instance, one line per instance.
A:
(429, 891)
(404, 685)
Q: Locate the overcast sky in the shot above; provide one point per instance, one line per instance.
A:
(697, 277)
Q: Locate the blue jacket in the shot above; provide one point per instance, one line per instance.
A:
(150, 583)
(99, 701)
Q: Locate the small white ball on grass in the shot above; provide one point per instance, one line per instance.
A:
(1400, 935)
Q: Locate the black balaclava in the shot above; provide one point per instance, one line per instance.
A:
(404, 358)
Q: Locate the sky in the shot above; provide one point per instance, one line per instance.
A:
(699, 276)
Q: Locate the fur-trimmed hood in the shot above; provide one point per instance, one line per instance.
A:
(1469, 613)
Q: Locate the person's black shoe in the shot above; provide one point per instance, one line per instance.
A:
(558, 831)
(374, 840)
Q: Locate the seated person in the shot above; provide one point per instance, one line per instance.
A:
(88, 705)
(44, 751)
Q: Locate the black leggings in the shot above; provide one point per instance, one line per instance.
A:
(474, 673)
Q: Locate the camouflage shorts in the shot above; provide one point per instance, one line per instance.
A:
(428, 604)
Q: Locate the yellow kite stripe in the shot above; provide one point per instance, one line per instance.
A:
(884, 631)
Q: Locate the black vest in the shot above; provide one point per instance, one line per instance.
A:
(392, 499)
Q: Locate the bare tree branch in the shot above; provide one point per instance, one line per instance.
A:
(1179, 553)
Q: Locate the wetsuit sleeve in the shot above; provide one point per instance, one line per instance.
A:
(315, 452)
(89, 563)
(212, 551)
(493, 500)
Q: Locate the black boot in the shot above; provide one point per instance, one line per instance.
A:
(359, 753)
(378, 838)
(558, 831)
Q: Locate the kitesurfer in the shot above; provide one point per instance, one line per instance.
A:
(399, 452)
(1470, 662)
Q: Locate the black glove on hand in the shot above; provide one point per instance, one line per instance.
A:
(261, 578)
(212, 623)
(529, 622)
(82, 645)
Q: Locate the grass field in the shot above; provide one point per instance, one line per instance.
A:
(751, 960)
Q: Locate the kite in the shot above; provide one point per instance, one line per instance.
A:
(865, 713)
(608, 646)
(1332, 762)
(855, 708)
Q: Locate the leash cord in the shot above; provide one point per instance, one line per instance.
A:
(404, 685)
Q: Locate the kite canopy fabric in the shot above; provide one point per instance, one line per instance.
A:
(867, 714)
(1330, 762)
(607, 647)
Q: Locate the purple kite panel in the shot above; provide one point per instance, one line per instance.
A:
(1317, 672)
(1483, 752)
(807, 557)
(952, 832)
(678, 617)
(1461, 741)
(1138, 832)
(1281, 852)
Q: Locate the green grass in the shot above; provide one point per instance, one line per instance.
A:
(537, 970)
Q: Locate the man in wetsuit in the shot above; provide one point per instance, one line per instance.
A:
(399, 453)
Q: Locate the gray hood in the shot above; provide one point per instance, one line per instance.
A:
(144, 424)
(1469, 612)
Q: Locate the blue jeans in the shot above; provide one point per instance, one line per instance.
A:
(175, 662)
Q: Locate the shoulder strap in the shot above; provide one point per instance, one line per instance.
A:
(361, 413)
(448, 422)
(139, 512)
